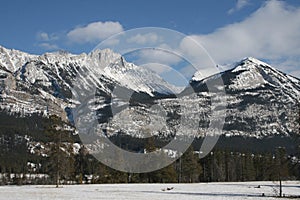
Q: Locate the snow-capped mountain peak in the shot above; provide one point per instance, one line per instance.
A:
(11, 59)
(101, 59)
(252, 73)
(50, 78)
(259, 97)
(254, 60)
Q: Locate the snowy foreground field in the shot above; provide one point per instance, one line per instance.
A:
(230, 191)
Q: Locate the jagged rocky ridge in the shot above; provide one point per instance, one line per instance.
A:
(260, 101)
(43, 84)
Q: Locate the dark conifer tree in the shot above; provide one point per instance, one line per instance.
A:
(61, 155)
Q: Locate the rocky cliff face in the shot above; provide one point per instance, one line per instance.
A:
(43, 84)
(260, 101)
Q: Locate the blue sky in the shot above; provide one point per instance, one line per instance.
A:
(21, 21)
(229, 29)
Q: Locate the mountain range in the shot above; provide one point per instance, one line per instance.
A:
(259, 100)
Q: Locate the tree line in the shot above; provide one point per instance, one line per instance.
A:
(63, 166)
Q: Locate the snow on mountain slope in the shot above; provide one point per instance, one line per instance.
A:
(12, 60)
(44, 83)
(138, 79)
(253, 73)
(261, 100)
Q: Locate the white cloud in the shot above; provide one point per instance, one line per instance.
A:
(287, 65)
(157, 67)
(94, 32)
(48, 46)
(270, 33)
(162, 56)
(188, 71)
(112, 42)
(46, 41)
(240, 4)
(42, 36)
(197, 56)
(144, 38)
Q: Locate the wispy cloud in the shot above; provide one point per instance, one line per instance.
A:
(47, 41)
(157, 67)
(270, 33)
(48, 46)
(94, 32)
(144, 38)
(42, 36)
(240, 4)
(158, 56)
(89, 34)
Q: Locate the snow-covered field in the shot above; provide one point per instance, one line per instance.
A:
(235, 191)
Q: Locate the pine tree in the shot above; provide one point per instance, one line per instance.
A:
(150, 147)
(81, 163)
(281, 166)
(249, 167)
(61, 155)
(168, 174)
(191, 168)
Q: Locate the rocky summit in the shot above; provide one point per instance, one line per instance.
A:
(257, 99)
